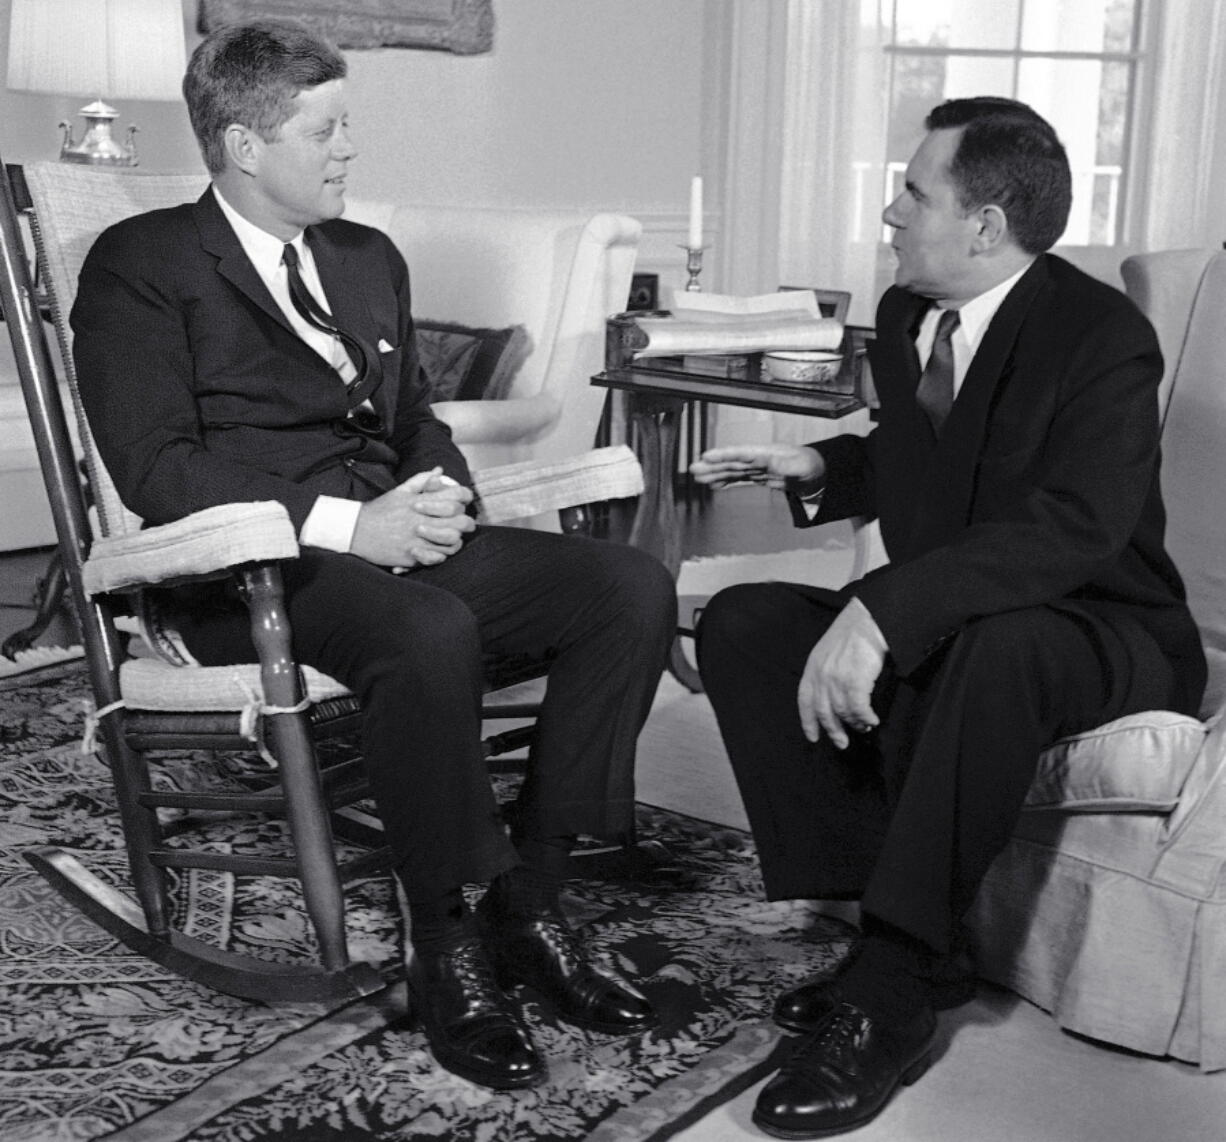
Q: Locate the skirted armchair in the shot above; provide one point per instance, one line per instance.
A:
(1108, 907)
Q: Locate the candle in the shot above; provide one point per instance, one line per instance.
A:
(695, 242)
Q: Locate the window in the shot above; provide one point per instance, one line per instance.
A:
(1076, 62)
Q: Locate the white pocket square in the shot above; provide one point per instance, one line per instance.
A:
(384, 347)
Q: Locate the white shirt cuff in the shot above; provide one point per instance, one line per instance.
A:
(330, 524)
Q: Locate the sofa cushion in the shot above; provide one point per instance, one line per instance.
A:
(463, 363)
(1134, 764)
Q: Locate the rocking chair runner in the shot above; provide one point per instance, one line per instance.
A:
(145, 704)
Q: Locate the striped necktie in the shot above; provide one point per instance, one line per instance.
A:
(365, 359)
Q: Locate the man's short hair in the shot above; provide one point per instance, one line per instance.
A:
(250, 74)
(1010, 156)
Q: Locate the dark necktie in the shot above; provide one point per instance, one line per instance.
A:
(365, 360)
(935, 394)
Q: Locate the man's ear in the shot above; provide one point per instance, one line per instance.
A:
(992, 228)
(242, 147)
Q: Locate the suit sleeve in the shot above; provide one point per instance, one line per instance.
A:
(1048, 519)
(848, 491)
(134, 368)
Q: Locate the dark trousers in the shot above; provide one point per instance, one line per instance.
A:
(908, 818)
(413, 649)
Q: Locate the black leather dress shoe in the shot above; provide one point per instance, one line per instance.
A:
(542, 952)
(470, 1024)
(841, 1076)
(803, 1008)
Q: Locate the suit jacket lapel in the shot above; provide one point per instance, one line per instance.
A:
(218, 238)
(346, 297)
(962, 438)
(343, 287)
(892, 352)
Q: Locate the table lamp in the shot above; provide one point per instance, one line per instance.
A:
(122, 49)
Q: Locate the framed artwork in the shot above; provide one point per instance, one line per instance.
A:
(465, 27)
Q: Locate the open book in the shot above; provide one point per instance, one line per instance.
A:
(703, 323)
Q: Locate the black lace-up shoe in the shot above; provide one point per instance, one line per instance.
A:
(542, 952)
(841, 1075)
(470, 1024)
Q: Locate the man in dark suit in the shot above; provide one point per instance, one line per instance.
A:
(255, 346)
(884, 736)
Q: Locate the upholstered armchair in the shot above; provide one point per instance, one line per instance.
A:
(1108, 907)
(556, 276)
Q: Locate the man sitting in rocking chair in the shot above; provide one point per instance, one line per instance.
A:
(255, 346)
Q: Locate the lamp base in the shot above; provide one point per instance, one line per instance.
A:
(97, 146)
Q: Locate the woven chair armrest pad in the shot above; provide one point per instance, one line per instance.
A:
(530, 487)
(211, 540)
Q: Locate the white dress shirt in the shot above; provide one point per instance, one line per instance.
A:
(331, 520)
(973, 320)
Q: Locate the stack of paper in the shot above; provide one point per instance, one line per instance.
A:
(704, 323)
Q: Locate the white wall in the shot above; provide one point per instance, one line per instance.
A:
(594, 104)
(581, 103)
(589, 104)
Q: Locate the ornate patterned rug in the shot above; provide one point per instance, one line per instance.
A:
(97, 1042)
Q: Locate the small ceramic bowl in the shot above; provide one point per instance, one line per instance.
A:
(803, 367)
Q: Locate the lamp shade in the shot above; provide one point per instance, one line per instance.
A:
(121, 49)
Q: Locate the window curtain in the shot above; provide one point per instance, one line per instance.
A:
(834, 117)
(833, 145)
(834, 111)
(1187, 166)
(806, 144)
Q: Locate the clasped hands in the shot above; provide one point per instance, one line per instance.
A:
(836, 687)
(419, 523)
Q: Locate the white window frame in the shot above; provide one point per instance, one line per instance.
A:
(1129, 222)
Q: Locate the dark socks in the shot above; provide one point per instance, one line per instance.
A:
(532, 887)
(527, 889)
(890, 978)
(441, 923)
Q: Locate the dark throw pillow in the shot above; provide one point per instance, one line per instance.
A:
(463, 363)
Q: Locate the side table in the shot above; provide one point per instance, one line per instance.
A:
(657, 390)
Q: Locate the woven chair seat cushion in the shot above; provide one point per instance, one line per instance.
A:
(239, 533)
(151, 684)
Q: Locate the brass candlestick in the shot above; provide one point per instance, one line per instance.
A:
(693, 265)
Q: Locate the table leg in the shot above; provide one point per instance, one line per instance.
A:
(655, 422)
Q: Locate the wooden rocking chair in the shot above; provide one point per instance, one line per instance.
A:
(144, 704)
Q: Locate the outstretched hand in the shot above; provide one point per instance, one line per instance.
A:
(419, 523)
(836, 688)
(775, 465)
